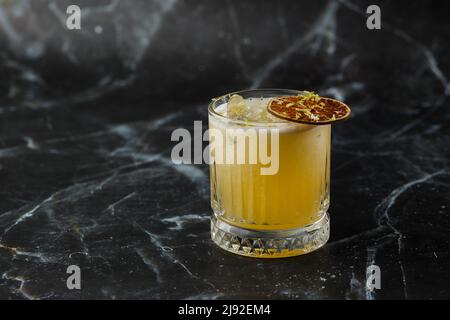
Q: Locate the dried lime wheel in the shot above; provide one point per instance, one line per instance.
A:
(309, 108)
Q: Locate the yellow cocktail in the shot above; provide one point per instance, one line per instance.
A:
(263, 208)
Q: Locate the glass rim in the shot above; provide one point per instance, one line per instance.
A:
(212, 111)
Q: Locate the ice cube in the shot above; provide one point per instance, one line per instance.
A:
(236, 108)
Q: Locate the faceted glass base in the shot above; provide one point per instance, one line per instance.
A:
(273, 243)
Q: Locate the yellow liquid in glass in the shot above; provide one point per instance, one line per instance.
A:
(296, 196)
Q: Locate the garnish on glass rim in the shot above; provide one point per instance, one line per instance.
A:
(309, 108)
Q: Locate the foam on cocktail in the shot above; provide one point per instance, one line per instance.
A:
(253, 111)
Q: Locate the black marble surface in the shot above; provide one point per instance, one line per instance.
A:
(85, 123)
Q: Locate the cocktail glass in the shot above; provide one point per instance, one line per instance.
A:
(261, 209)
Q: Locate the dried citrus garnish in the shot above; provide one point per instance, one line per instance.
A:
(309, 108)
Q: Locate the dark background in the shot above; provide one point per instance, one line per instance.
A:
(85, 123)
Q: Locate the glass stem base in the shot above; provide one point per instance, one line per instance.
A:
(273, 243)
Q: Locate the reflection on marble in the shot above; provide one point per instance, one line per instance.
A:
(85, 124)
